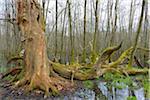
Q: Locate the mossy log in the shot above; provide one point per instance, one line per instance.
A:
(85, 73)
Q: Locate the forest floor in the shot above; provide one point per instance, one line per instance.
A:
(9, 93)
(83, 90)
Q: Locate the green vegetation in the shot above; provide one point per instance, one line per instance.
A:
(88, 84)
(131, 98)
(117, 80)
(146, 85)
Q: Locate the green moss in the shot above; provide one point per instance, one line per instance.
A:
(93, 57)
(125, 81)
(8, 78)
(3, 69)
(88, 84)
(20, 76)
(114, 79)
(131, 98)
(123, 56)
(146, 85)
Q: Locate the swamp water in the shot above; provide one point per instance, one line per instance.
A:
(106, 94)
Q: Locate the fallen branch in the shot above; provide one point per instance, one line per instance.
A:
(123, 56)
(143, 49)
(137, 62)
(107, 53)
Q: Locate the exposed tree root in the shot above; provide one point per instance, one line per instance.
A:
(50, 85)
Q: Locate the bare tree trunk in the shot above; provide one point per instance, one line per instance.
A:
(108, 19)
(7, 31)
(47, 8)
(131, 18)
(146, 36)
(62, 33)
(95, 33)
(84, 34)
(137, 35)
(56, 28)
(43, 7)
(114, 27)
(70, 31)
(91, 27)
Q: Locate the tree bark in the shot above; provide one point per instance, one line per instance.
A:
(84, 33)
(95, 33)
(70, 31)
(56, 17)
(36, 69)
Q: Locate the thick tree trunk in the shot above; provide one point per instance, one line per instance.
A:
(36, 70)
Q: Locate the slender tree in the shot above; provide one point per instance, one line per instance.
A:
(146, 36)
(7, 31)
(114, 27)
(63, 30)
(137, 34)
(91, 20)
(95, 33)
(70, 30)
(43, 7)
(108, 19)
(56, 28)
(131, 18)
(47, 8)
(84, 33)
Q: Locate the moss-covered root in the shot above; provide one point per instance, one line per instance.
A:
(44, 83)
(50, 85)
